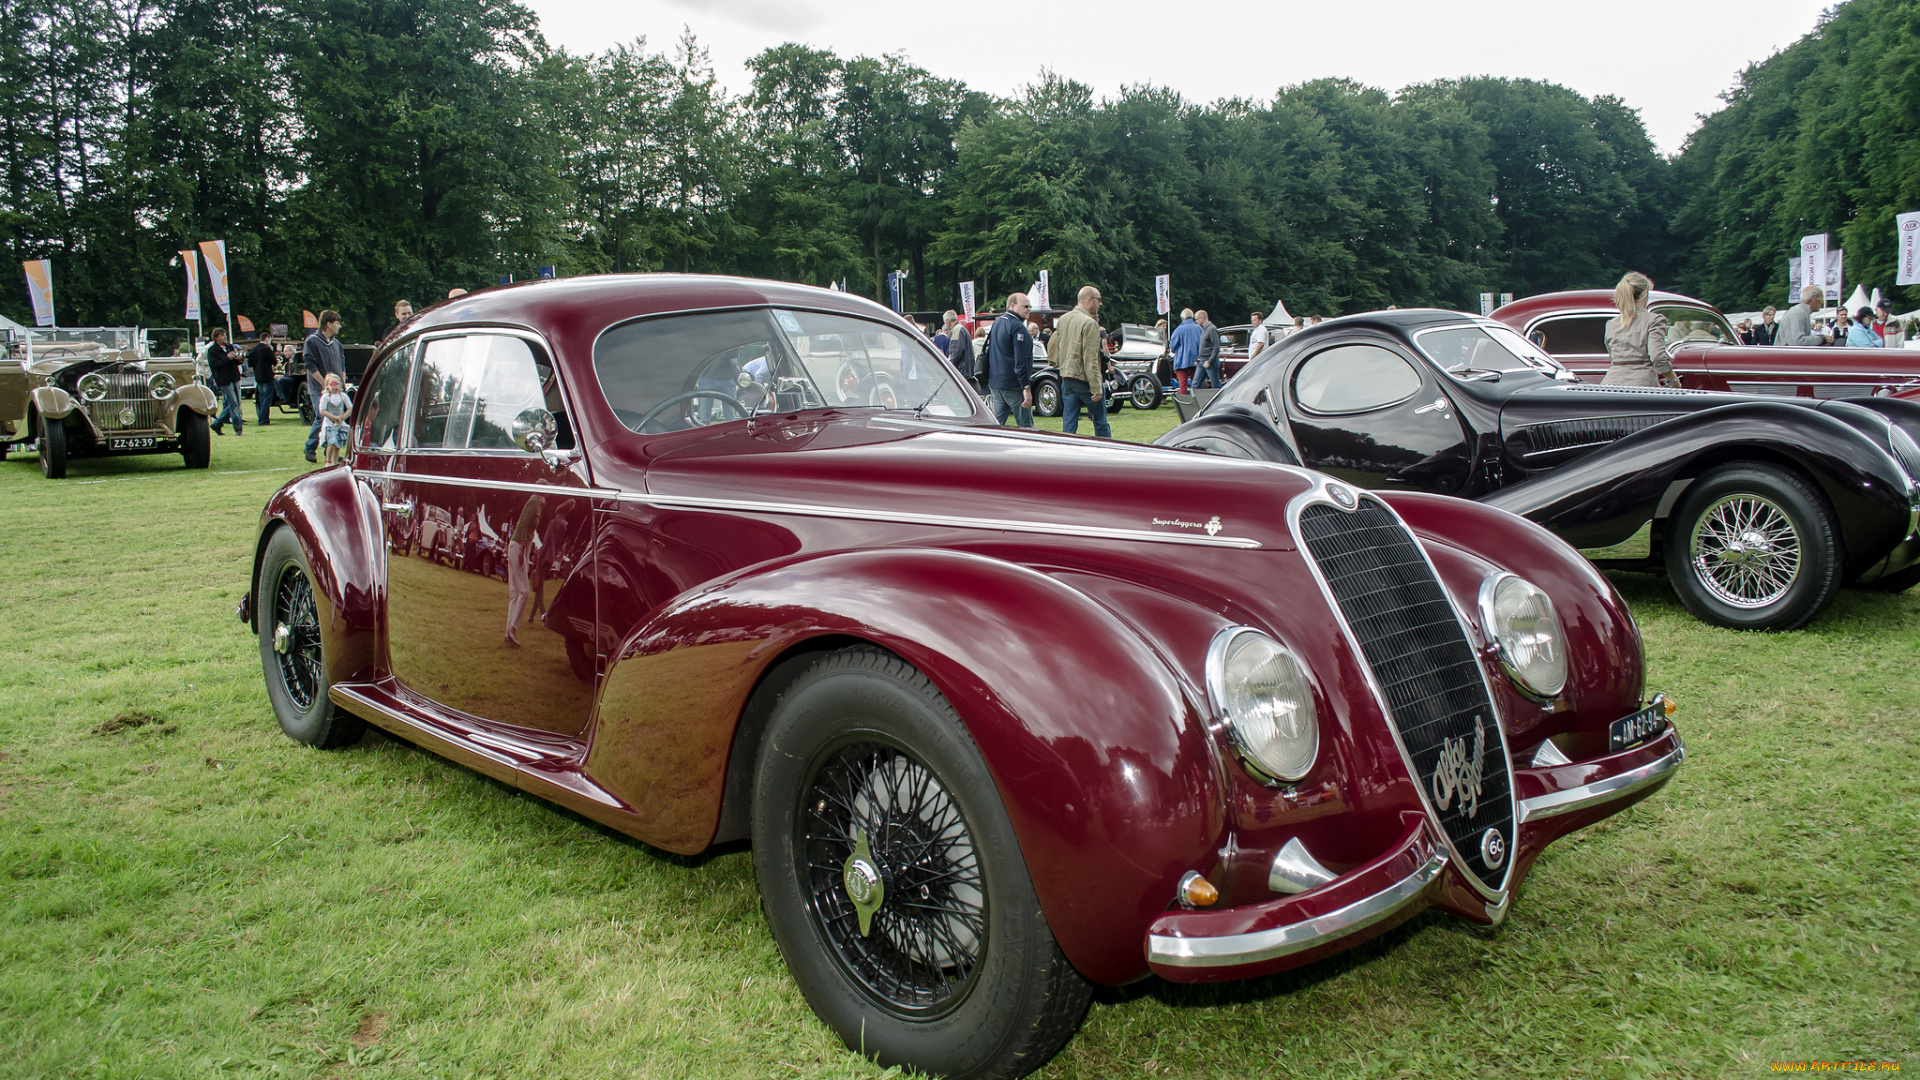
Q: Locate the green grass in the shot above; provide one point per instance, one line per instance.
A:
(186, 893)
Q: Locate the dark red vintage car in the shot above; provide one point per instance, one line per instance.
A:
(1005, 714)
(1705, 352)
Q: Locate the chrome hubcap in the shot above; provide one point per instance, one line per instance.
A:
(282, 638)
(1745, 551)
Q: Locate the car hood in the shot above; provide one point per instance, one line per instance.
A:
(891, 467)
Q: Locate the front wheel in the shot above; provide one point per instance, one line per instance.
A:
(53, 449)
(893, 880)
(1754, 547)
(195, 448)
(1046, 398)
(292, 651)
(1145, 393)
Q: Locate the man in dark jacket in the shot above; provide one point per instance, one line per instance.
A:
(959, 345)
(1010, 363)
(322, 356)
(1208, 373)
(260, 359)
(223, 366)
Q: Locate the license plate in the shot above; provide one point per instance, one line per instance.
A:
(1629, 731)
(147, 443)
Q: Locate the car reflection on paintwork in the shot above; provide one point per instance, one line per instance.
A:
(1006, 714)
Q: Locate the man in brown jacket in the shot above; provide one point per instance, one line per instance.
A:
(1075, 350)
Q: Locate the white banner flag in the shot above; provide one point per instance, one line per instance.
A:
(1793, 280)
(191, 260)
(1163, 294)
(966, 299)
(1046, 296)
(1907, 262)
(1836, 273)
(1813, 259)
(1506, 298)
(1486, 303)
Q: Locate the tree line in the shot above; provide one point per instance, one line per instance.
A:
(353, 152)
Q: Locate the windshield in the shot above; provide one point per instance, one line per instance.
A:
(686, 371)
(1485, 347)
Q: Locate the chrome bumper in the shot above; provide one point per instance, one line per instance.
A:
(1614, 786)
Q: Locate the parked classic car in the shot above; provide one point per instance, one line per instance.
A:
(1707, 354)
(1133, 374)
(94, 391)
(1758, 508)
(997, 733)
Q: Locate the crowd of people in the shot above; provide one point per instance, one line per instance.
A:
(1867, 328)
(324, 363)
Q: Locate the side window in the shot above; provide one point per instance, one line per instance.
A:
(385, 398)
(1576, 335)
(1353, 378)
(1693, 324)
(470, 389)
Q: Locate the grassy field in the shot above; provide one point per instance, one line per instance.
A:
(186, 893)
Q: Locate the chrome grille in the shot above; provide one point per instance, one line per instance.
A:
(1433, 687)
(125, 390)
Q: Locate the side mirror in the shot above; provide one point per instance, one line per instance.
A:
(533, 430)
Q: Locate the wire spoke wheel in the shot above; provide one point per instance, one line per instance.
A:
(296, 637)
(1745, 550)
(894, 877)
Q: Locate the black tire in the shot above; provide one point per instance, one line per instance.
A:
(1144, 393)
(53, 449)
(1046, 397)
(294, 658)
(968, 984)
(306, 406)
(195, 446)
(1754, 547)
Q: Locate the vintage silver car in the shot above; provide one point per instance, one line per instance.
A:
(87, 391)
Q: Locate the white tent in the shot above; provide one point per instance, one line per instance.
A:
(1278, 316)
(1858, 300)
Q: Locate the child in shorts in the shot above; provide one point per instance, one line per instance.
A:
(333, 409)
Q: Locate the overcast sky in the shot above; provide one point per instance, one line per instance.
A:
(1671, 61)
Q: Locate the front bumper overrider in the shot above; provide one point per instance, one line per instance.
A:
(1187, 945)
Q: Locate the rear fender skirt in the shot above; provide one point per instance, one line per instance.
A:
(1603, 498)
(51, 402)
(337, 522)
(1098, 754)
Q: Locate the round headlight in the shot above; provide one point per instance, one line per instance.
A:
(92, 386)
(160, 385)
(1259, 690)
(1520, 619)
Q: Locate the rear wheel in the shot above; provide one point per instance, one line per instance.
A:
(194, 444)
(1754, 547)
(1046, 398)
(893, 880)
(1144, 392)
(292, 651)
(53, 448)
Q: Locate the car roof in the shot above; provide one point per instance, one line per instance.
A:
(595, 302)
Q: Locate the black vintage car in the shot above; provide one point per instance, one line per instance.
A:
(1759, 508)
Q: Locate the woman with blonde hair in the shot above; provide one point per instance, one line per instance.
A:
(1637, 338)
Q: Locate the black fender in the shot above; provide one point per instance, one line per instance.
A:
(1102, 760)
(337, 523)
(1233, 430)
(1876, 417)
(1605, 497)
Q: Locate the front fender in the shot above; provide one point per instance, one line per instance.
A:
(1604, 498)
(1098, 755)
(337, 522)
(51, 402)
(194, 396)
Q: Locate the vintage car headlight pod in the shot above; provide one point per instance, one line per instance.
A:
(1261, 693)
(1519, 617)
(92, 386)
(160, 385)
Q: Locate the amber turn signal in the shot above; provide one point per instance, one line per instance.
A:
(1197, 891)
(1667, 707)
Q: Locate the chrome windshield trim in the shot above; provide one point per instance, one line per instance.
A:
(1618, 786)
(905, 517)
(1251, 948)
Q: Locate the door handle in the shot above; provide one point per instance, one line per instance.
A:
(1438, 403)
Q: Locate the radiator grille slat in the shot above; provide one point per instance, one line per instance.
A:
(1425, 667)
(125, 389)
